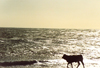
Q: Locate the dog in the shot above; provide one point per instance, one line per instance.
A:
(73, 58)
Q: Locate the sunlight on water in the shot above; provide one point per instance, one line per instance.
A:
(49, 45)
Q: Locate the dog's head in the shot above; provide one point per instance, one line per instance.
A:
(64, 56)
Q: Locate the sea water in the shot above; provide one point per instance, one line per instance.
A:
(47, 46)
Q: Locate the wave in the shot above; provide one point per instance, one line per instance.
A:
(17, 63)
(24, 63)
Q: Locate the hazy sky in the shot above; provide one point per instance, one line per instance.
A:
(50, 13)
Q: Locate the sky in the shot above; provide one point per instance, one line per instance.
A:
(75, 14)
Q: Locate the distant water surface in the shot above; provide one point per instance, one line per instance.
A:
(28, 44)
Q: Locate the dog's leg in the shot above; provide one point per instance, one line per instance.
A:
(78, 64)
(67, 65)
(71, 65)
(83, 64)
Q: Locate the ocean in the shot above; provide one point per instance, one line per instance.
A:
(44, 47)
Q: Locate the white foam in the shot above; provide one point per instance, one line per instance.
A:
(89, 61)
(57, 61)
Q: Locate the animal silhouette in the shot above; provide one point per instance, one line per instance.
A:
(73, 58)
